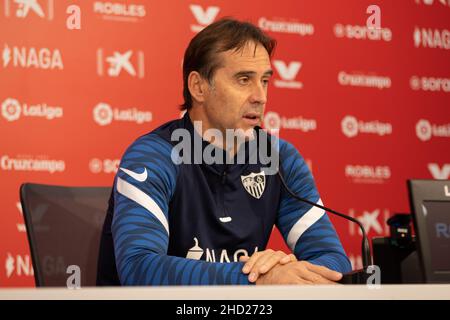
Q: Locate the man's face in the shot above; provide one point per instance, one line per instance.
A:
(237, 97)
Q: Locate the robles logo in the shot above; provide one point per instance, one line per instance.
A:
(119, 11)
(367, 174)
(351, 127)
(273, 121)
(426, 130)
(104, 114)
(12, 110)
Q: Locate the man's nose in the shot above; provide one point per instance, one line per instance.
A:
(259, 94)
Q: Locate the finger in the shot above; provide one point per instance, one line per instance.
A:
(288, 258)
(267, 262)
(244, 258)
(251, 261)
(324, 272)
(314, 278)
(258, 263)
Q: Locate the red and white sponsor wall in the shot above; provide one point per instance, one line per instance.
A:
(367, 108)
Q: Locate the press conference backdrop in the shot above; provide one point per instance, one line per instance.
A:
(366, 108)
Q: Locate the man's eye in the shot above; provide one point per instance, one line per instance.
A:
(265, 82)
(243, 80)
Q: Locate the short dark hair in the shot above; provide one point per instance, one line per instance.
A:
(222, 35)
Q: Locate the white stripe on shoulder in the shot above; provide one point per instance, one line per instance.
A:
(306, 221)
(133, 193)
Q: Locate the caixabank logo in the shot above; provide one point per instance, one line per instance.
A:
(29, 9)
(120, 63)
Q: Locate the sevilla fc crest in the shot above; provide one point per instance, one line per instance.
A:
(254, 183)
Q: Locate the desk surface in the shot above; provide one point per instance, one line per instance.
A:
(389, 292)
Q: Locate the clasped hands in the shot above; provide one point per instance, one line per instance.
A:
(277, 267)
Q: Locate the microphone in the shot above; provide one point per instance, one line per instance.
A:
(356, 276)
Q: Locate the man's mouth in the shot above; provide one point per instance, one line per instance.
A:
(252, 117)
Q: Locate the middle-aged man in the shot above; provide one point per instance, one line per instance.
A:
(175, 220)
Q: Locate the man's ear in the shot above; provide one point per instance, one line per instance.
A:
(197, 86)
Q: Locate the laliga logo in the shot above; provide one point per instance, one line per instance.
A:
(11, 109)
(272, 121)
(103, 114)
(349, 126)
(423, 130)
(203, 17)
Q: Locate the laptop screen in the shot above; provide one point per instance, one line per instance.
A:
(437, 217)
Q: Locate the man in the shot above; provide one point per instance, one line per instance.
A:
(174, 220)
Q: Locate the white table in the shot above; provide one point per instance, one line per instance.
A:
(389, 292)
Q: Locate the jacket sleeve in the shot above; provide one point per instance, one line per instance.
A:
(306, 229)
(143, 188)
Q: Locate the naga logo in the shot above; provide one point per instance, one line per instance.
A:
(118, 62)
(429, 38)
(361, 80)
(203, 17)
(441, 173)
(431, 2)
(287, 73)
(119, 11)
(371, 220)
(104, 166)
(104, 114)
(426, 130)
(41, 58)
(430, 84)
(362, 32)
(351, 127)
(26, 163)
(18, 265)
(24, 7)
(367, 174)
(273, 121)
(12, 109)
(196, 253)
(302, 29)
